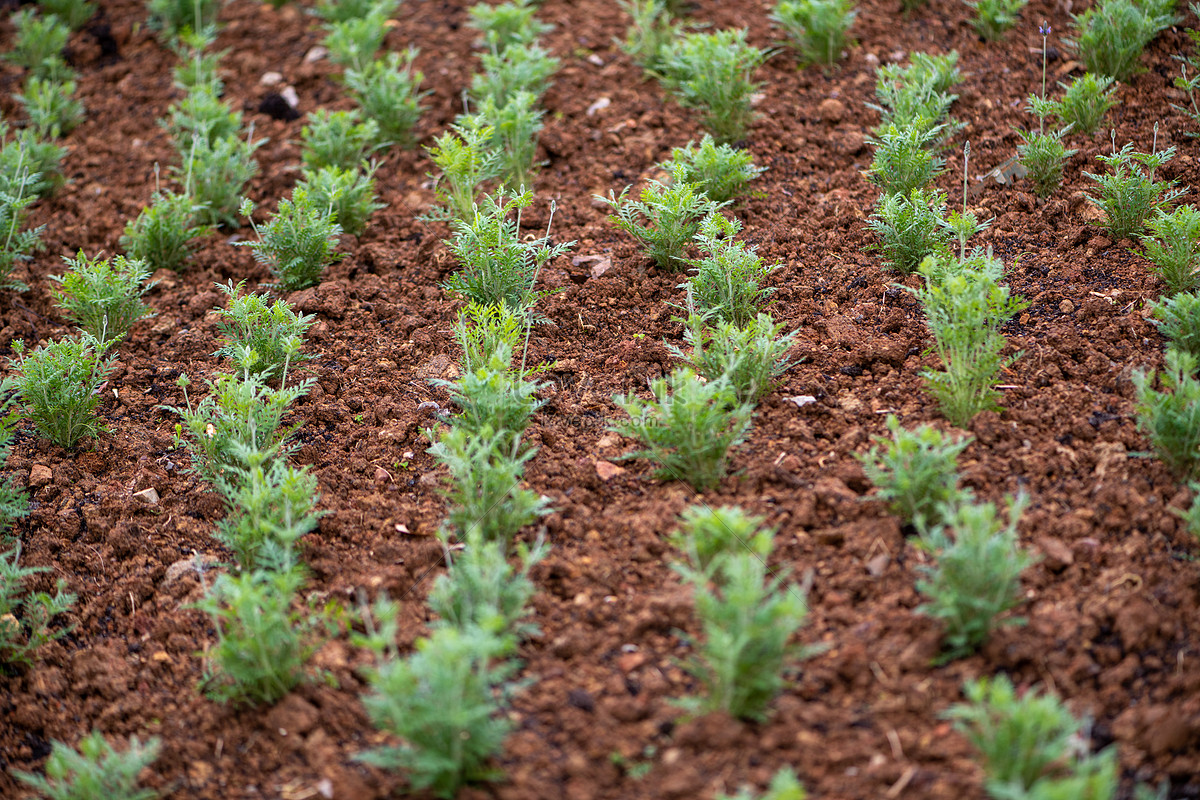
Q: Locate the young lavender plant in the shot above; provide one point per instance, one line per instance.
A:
(993, 18)
(1130, 194)
(467, 161)
(976, 575)
(688, 428)
(718, 170)
(1085, 102)
(507, 24)
(274, 333)
(202, 115)
(910, 228)
(1113, 34)
(39, 43)
(915, 471)
(341, 10)
(817, 28)
(58, 386)
(904, 160)
(217, 172)
(714, 73)
(1174, 246)
(337, 139)
(496, 398)
(75, 13)
(485, 330)
(1043, 154)
(387, 91)
(102, 296)
(1171, 418)
(917, 95)
(172, 17)
(651, 30)
(14, 504)
(516, 126)
(348, 193)
(750, 357)
(498, 266)
(51, 106)
(94, 771)
(728, 275)
(705, 534)
(1178, 319)
(1190, 84)
(161, 234)
(17, 243)
(21, 638)
(298, 243)
(353, 42)
(671, 214)
(522, 67)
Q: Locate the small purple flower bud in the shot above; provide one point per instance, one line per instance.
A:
(1044, 30)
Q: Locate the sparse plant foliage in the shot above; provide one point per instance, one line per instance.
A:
(903, 160)
(442, 702)
(494, 397)
(706, 534)
(915, 471)
(498, 266)
(217, 172)
(201, 115)
(651, 29)
(14, 504)
(1044, 154)
(484, 330)
(58, 386)
(353, 41)
(688, 428)
(172, 17)
(17, 193)
(750, 357)
(1171, 418)
(918, 95)
(336, 139)
(1085, 102)
(161, 234)
(993, 18)
(714, 73)
(39, 43)
(964, 307)
(911, 227)
(976, 575)
(522, 67)
(103, 296)
(1178, 319)
(718, 170)
(263, 643)
(1174, 247)
(728, 275)
(748, 618)
(507, 24)
(817, 28)
(1190, 84)
(516, 126)
(1113, 33)
(348, 193)
(671, 215)
(466, 160)
(274, 333)
(95, 771)
(21, 638)
(299, 241)
(342, 10)
(75, 13)
(51, 106)
(387, 91)
(1130, 194)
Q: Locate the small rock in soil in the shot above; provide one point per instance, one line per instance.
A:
(40, 475)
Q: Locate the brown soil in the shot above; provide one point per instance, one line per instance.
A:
(1112, 606)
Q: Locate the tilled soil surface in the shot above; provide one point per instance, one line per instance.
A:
(1112, 605)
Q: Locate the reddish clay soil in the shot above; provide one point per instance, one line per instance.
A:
(1112, 606)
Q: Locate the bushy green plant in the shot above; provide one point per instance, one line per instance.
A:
(1113, 33)
(1178, 319)
(817, 28)
(1174, 247)
(910, 227)
(75, 13)
(263, 643)
(507, 24)
(298, 242)
(202, 115)
(728, 274)
(994, 17)
(522, 67)
(1024, 740)
(96, 771)
(336, 139)
(976, 575)
(17, 193)
(750, 356)
(915, 471)
(484, 330)
(466, 160)
(58, 386)
(172, 17)
(705, 534)
(21, 638)
(103, 296)
(903, 159)
(748, 618)
(348, 193)
(38, 44)
(1190, 84)
(671, 214)
(42, 158)
(217, 172)
(1171, 418)
(1130, 194)
(442, 702)
(964, 309)
(918, 95)
(14, 504)
(515, 129)
(387, 91)
(1085, 102)
(784, 786)
(51, 106)
(353, 42)
(197, 69)
(718, 170)
(651, 29)
(274, 333)
(269, 506)
(483, 489)
(481, 589)
(494, 397)
(239, 409)
(498, 265)
(161, 234)
(688, 428)
(342, 10)
(714, 73)
(1044, 154)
